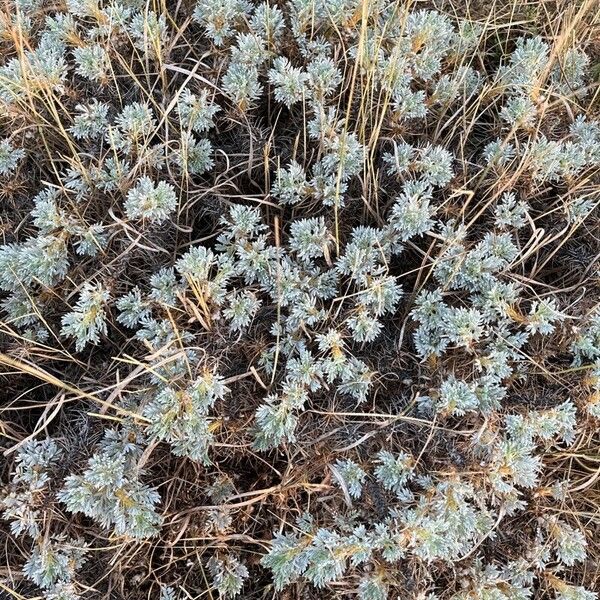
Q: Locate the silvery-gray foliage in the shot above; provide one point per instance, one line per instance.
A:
(255, 219)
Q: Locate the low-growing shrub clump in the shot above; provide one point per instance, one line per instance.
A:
(299, 300)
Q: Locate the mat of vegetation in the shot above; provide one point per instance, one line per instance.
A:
(299, 299)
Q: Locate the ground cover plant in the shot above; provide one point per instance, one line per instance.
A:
(299, 299)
